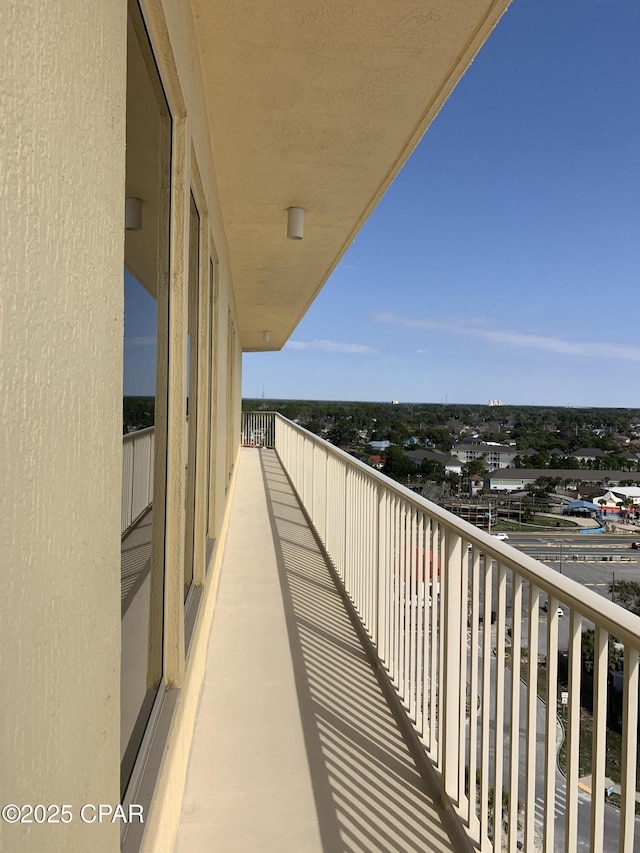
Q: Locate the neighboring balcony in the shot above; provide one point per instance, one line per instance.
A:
(363, 690)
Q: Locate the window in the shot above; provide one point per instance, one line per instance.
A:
(146, 262)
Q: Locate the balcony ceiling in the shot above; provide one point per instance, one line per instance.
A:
(318, 105)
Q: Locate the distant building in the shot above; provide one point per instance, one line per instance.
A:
(476, 483)
(496, 403)
(609, 503)
(518, 479)
(494, 455)
(379, 445)
(451, 464)
(631, 493)
(588, 454)
(581, 509)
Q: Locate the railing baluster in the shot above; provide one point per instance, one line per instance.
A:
(346, 578)
(367, 535)
(420, 607)
(462, 699)
(426, 638)
(413, 627)
(550, 743)
(532, 717)
(573, 733)
(629, 750)
(404, 615)
(438, 656)
(381, 585)
(396, 600)
(499, 708)
(364, 537)
(474, 824)
(514, 735)
(487, 586)
(386, 501)
(450, 719)
(354, 508)
(600, 671)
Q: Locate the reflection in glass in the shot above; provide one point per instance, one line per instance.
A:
(192, 393)
(146, 263)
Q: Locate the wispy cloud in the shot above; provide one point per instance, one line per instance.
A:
(521, 340)
(145, 341)
(329, 346)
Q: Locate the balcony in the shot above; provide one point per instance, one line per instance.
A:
(363, 690)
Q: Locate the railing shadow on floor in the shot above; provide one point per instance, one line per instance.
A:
(368, 793)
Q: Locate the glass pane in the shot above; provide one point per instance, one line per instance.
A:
(144, 382)
(192, 395)
(213, 392)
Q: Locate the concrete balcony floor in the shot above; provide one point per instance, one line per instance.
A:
(295, 748)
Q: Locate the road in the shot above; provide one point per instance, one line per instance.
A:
(587, 562)
(611, 815)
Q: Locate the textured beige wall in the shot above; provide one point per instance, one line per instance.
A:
(62, 110)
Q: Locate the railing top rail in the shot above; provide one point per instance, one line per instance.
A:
(131, 435)
(599, 610)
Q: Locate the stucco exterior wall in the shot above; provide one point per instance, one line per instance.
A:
(62, 133)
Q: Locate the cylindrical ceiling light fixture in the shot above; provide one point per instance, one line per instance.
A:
(266, 336)
(295, 223)
(133, 214)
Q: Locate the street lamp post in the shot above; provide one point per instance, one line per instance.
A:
(613, 589)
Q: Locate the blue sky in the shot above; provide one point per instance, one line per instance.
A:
(139, 340)
(504, 262)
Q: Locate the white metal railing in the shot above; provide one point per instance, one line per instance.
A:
(457, 621)
(137, 475)
(258, 429)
